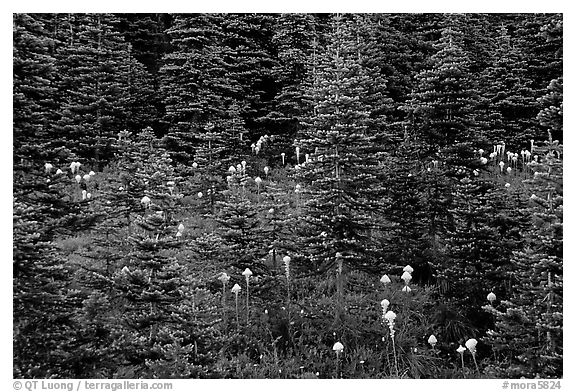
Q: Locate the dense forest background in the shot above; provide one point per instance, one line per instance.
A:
(315, 165)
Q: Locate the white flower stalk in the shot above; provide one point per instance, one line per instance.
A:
(74, 167)
(200, 195)
(471, 345)
(507, 185)
(266, 170)
(501, 164)
(408, 269)
(59, 171)
(181, 227)
(78, 178)
(385, 280)
(484, 160)
(406, 277)
(88, 195)
(298, 188)
(390, 316)
(432, 340)
(406, 289)
(491, 297)
(232, 169)
(145, 201)
(460, 351)
(258, 181)
(283, 158)
(236, 289)
(194, 165)
(298, 154)
(247, 274)
(179, 234)
(86, 177)
(84, 192)
(48, 167)
(224, 278)
(384, 303)
(286, 260)
(508, 170)
(338, 348)
(92, 174)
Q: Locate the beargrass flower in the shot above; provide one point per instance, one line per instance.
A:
(390, 316)
(78, 178)
(471, 345)
(86, 177)
(406, 289)
(92, 173)
(507, 185)
(181, 227)
(59, 171)
(224, 278)
(432, 340)
(338, 347)
(384, 303)
(406, 277)
(48, 167)
(385, 279)
(200, 194)
(146, 201)
(491, 297)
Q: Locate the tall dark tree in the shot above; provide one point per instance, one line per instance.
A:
(339, 183)
(91, 91)
(34, 71)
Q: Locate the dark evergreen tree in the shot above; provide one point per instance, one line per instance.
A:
(529, 322)
(91, 91)
(34, 106)
(552, 104)
(339, 183)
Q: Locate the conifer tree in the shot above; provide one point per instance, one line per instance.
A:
(294, 38)
(528, 331)
(552, 104)
(200, 92)
(90, 90)
(34, 88)
(340, 180)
